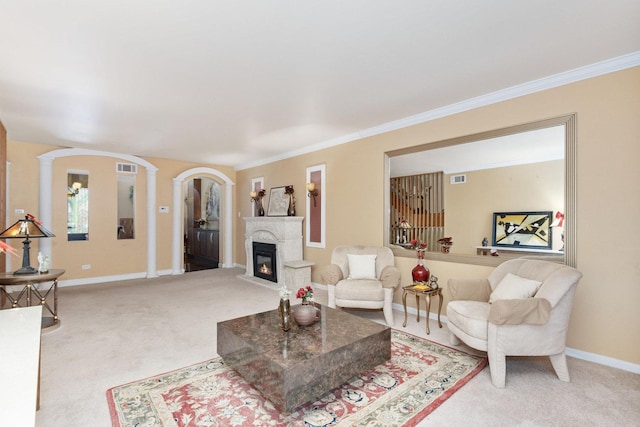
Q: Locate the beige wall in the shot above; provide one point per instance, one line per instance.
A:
(107, 255)
(606, 318)
(469, 207)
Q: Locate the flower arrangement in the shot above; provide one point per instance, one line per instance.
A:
(284, 292)
(288, 190)
(419, 246)
(306, 293)
(257, 195)
(446, 243)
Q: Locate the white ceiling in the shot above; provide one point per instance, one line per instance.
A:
(241, 82)
(522, 148)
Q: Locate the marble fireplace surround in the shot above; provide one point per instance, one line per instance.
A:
(286, 233)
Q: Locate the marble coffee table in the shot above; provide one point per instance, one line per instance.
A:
(295, 367)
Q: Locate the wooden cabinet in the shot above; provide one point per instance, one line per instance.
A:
(204, 246)
(203, 243)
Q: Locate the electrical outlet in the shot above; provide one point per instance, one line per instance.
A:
(86, 266)
(19, 211)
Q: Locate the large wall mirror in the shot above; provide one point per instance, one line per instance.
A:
(126, 206)
(454, 188)
(77, 205)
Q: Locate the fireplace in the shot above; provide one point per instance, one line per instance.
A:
(284, 233)
(264, 261)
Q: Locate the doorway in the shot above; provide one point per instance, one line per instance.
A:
(201, 224)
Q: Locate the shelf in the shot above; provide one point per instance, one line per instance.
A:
(486, 250)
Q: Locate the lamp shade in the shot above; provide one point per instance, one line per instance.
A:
(25, 229)
(404, 224)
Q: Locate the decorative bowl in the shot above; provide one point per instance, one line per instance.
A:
(305, 314)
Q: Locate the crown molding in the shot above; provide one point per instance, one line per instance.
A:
(589, 71)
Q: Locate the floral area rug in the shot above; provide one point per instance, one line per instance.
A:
(419, 376)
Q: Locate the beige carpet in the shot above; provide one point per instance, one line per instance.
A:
(120, 332)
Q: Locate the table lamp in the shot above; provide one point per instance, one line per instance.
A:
(26, 228)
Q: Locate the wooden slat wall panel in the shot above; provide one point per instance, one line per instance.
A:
(419, 200)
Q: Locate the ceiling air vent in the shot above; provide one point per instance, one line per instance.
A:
(126, 167)
(458, 179)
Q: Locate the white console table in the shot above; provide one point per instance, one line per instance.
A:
(20, 330)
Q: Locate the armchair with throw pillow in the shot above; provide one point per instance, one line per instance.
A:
(362, 277)
(521, 309)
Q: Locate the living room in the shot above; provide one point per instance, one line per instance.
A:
(605, 99)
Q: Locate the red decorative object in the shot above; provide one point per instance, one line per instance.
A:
(420, 272)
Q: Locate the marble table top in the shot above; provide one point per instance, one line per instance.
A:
(293, 367)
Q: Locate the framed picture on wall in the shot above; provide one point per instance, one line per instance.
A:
(278, 202)
(531, 230)
(315, 223)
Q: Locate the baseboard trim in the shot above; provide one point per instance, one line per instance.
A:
(104, 279)
(604, 360)
(571, 352)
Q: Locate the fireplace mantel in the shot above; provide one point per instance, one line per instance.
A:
(285, 232)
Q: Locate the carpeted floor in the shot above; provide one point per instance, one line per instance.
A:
(416, 380)
(119, 332)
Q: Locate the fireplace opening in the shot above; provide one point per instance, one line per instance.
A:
(264, 261)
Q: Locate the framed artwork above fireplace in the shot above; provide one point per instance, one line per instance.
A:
(278, 202)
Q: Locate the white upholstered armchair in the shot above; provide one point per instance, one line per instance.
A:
(362, 277)
(522, 309)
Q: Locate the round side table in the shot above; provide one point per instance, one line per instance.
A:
(36, 290)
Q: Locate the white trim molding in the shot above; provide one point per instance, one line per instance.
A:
(256, 185)
(571, 352)
(227, 217)
(46, 202)
(322, 188)
(539, 85)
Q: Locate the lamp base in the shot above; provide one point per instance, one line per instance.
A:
(25, 271)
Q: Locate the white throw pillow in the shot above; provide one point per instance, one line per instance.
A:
(362, 266)
(514, 287)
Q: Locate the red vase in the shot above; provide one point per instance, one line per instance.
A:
(420, 273)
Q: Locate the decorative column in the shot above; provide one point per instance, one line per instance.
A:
(152, 270)
(178, 241)
(227, 231)
(46, 203)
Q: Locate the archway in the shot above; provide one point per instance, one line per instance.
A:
(46, 202)
(227, 215)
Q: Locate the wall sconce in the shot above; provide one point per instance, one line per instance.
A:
(74, 189)
(313, 191)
